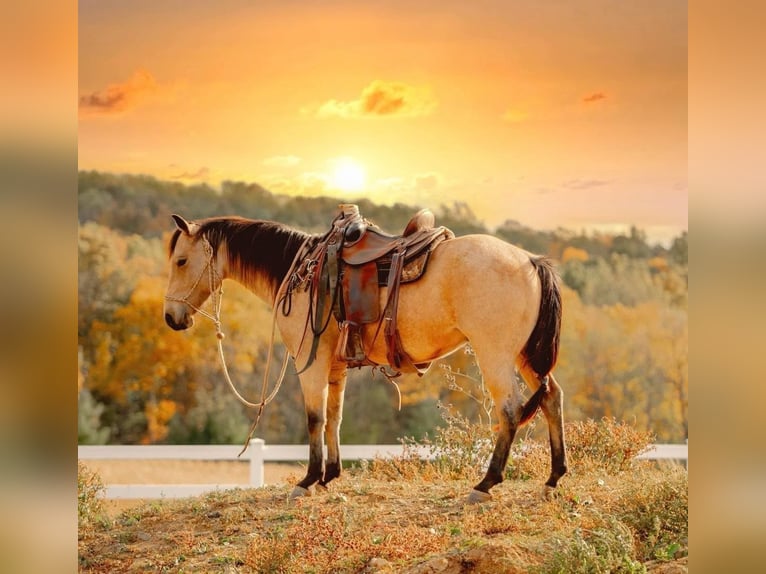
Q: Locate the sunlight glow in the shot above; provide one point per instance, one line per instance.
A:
(348, 175)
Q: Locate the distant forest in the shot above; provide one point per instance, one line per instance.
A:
(623, 350)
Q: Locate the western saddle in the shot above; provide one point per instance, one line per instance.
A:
(346, 268)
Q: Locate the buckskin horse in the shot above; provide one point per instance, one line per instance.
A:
(502, 299)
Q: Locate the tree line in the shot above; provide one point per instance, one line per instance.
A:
(623, 349)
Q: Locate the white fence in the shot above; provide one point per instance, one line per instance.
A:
(257, 455)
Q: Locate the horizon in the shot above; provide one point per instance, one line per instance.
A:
(593, 231)
(571, 116)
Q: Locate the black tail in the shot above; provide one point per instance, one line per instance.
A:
(542, 349)
(531, 406)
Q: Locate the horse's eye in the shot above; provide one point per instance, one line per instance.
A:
(181, 262)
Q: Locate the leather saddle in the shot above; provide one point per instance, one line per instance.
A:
(349, 265)
(364, 243)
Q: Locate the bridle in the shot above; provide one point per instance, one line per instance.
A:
(217, 296)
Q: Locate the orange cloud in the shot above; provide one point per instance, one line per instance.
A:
(118, 98)
(382, 99)
(594, 97)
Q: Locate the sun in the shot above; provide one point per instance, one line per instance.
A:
(348, 175)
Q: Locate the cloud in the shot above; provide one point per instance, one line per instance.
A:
(382, 99)
(578, 184)
(594, 97)
(308, 184)
(419, 188)
(314, 183)
(426, 181)
(117, 98)
(282, 161)
(572, 185)
(201, 173)
(390, 185)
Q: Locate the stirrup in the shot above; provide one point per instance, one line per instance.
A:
(350, 347)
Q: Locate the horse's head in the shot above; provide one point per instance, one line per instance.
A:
(195, 273)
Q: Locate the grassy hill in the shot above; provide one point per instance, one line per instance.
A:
(609, 514)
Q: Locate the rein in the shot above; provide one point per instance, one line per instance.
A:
(215, 317)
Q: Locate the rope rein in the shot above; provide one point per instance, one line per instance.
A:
(216, 297)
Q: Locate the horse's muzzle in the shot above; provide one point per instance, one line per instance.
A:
(185, 323)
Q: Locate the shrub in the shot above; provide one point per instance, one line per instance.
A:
(607, 445)
(458, 448)
(89, 502)
(606, 549)
(657, 510)
(89, 429)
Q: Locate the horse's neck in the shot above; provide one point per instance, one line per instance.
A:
(263, 270)
(256, 282)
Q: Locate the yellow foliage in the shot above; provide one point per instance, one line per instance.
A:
(574, 254)
(158, 415)
(658, 263)
(626, 362)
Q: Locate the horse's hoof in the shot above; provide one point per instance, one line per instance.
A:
(299, 492)
(321, 488)
(548, 492)
(477, 496)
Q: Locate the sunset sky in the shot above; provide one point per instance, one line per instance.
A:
(566, 114)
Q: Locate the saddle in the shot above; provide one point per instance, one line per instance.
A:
(348, 266)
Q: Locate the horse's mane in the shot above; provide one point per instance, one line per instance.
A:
(256, 248)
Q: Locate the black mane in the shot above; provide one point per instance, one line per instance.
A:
(256, 247)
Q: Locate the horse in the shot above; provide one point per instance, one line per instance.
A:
(477, 289)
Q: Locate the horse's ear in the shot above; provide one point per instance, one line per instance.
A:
(182, 224)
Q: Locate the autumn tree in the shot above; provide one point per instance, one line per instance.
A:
(627, 362)
(623, 349)
(140, 367)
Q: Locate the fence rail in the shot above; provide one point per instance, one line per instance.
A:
(258, 454)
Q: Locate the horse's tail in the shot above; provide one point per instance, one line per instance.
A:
(542, 348)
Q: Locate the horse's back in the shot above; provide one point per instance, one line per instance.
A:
(485, 249)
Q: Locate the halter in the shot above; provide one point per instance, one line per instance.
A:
(217, 296)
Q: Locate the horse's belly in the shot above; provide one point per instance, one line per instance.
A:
(426, 325)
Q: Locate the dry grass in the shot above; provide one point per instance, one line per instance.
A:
(405, 516)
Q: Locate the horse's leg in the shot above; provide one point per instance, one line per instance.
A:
(315, 398)
(508, 408)
(552, 407)
(336, 391)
